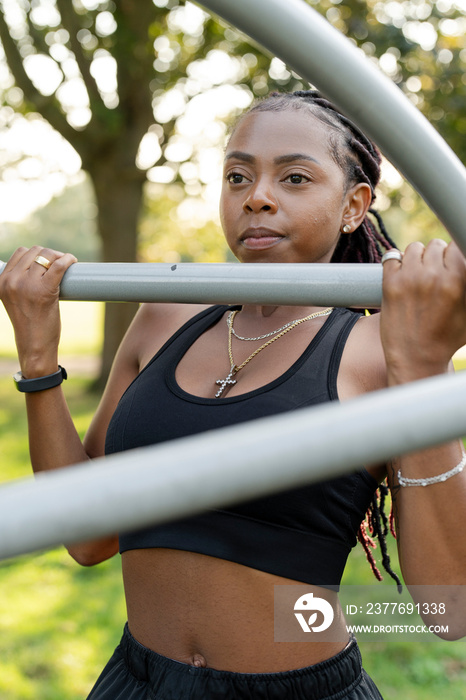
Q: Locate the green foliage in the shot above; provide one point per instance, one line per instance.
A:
(165, 237)
(68, 220)
(420, 46)
(165, 56)
(59, 623)
(14, 452)
(409, 219)
(407, 669)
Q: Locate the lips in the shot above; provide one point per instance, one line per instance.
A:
(260, 238)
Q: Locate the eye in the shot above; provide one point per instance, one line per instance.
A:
(296, 179)
(235, 178)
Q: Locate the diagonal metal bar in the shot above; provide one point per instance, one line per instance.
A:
(356, 285)
(306, 42)
(157, 484)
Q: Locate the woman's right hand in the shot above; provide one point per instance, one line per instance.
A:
(423, 317)
(30, 294)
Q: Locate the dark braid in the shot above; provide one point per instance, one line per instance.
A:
(379, 525)
(360, 160)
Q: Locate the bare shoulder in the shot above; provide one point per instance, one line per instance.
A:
(363, 363)
(154, 324)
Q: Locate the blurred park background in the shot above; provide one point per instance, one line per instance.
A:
(113, 116)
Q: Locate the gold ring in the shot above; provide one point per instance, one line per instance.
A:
(42, 261)
(393, 254)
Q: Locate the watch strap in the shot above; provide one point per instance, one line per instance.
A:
(40, 383)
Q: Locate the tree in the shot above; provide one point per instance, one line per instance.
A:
(73, 212)
(119, 57)
(74, 36)
(121, 80)
(421, 46)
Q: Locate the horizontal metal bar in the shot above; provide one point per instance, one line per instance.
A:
(221, 467)
(350, 285)
(306, 42)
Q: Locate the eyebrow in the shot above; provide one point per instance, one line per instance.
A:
(240, 155)
(279, 160)
(292, 157)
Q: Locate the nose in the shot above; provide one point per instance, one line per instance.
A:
(260, 198)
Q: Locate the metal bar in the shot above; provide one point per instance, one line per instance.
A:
(164, 482)
(306, 42)
(357, 285)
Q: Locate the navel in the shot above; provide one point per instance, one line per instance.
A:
(199, 661)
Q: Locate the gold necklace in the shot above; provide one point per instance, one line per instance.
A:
(234, 369)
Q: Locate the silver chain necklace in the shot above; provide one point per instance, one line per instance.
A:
(326, 312)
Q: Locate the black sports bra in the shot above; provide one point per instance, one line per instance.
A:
(303, 534)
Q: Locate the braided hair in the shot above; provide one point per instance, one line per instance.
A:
(360, 160)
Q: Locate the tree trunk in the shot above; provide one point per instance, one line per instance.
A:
(119, 194)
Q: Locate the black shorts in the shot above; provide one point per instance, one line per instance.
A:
(137, 673)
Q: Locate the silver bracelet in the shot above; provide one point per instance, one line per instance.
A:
(404, 481)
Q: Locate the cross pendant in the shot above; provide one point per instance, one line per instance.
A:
(224, 382)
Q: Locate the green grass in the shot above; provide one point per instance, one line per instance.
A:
(409, 670)
(59, 623)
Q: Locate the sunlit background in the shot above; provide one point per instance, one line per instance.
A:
(59, 622)
(37, 164)
(45, 195)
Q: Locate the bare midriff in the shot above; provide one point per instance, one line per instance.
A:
(214, 613)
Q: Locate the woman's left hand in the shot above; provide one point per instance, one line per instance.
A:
(423, 318)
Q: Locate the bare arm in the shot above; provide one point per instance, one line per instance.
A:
(423, 322)
(30, 295)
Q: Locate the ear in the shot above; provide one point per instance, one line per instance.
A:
(355, 206)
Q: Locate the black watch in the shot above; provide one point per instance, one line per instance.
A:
(40, 383)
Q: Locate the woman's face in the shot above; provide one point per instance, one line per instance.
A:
(283, 196)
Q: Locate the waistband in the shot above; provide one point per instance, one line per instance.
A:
(328, 680)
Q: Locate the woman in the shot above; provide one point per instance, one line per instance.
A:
(298, 182)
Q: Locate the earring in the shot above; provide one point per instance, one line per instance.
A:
(346, 228)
